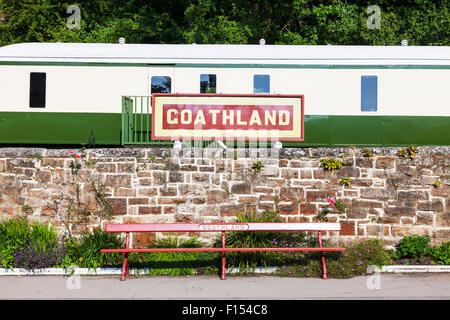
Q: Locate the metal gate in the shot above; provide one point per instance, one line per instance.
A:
(137, 122)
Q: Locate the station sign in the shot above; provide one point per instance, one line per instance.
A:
(223, 227)
(227, 117)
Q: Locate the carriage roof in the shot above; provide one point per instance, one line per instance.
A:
(233, 54)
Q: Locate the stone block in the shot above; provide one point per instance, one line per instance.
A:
(150, 210)
(292, 194)
(318, 196)
(142, 239)
(172, 200)
(159, 178)
(118, 180)
(385, 162)
(231, 210)
(118, 206)
(270, 171)
(443, 219)
(147, 192)
(289, 173)
(216, 196)
(168, 191)
(377, 193)
(289, 209)
(426, 218)
(104, 167)
(200, 177)
(136, 201)
(176, 176)
(126, 167)
(124, 192)
(44, 176)
(412, 195)
(347, 228)
(402, 231)
(241, 188)
(357, 213)
(308, 209)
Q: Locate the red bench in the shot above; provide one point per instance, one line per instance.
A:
(220, 227)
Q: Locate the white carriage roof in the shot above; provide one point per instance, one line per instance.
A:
(240, 54)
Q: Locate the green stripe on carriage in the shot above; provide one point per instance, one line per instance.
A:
(59, 127)
(223, 65)
(76, 128)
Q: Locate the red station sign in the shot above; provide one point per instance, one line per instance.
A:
(227, 117)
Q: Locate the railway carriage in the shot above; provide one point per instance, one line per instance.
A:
(77, 93)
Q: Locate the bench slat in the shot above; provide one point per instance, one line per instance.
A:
(215, 227)
(219, 249)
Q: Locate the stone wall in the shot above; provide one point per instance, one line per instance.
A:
(388, 197)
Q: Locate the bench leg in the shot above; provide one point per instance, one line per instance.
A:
(125, 271)
(223, 276)
(324, 266)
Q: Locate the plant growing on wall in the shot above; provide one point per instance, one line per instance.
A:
(257, 166)
(437, 183)
(409, 152)
(330, 208)
(345, 181)
(330, 164)
(366, 153)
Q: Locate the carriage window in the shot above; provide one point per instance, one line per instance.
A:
(369, 93)
(261, 83)
(207, 83)
(37, 89)
(161, 84)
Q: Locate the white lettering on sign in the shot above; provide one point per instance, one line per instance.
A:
(223, 227)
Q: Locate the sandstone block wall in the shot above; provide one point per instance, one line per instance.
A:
(388, 196)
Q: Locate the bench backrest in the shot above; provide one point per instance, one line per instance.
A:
(215, 227)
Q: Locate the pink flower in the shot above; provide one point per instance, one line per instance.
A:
(71, 152)
(331, 201)
(78, 156)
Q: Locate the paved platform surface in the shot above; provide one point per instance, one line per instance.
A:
(378, 286)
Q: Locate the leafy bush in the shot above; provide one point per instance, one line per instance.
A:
(413, 247)
(36, 256)
(27, 245)
(352, 262)
(441, 254)
(85, 252)
(14, 233)
(329, 164)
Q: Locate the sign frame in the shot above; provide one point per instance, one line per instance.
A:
(224, 95)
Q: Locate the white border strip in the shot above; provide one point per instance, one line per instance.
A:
(415, 269)
(135, 271)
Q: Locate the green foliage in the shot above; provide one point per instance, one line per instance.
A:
(85, 251)
(441, 254)
(409, 152)
(437, 183)
(345, 181)
(329, 164)
(339, 205)
(257, 166)
(16, 234)
(303, 22)
(367, 153)
(413, 247)
(356, 260)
